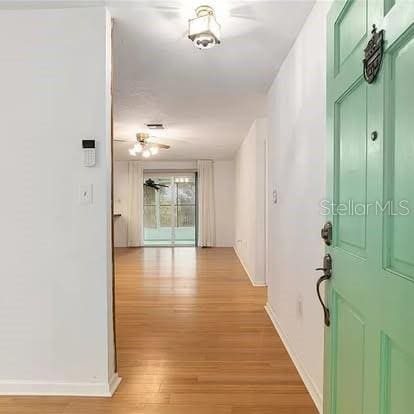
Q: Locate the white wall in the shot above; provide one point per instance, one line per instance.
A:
(224, 198)
(223, 181)
(296, 169)
(55, 296)
(250, 183)
(120, 203)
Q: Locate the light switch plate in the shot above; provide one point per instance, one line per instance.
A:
(85, 194)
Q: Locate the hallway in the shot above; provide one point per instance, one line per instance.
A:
(193, 338)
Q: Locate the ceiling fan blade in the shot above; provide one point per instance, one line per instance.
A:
(149, 141)
(158, 144)
(163, 146)
(124, 140)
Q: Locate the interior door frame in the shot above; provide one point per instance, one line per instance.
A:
(112, 203)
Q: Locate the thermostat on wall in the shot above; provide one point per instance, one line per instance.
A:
(88, 152)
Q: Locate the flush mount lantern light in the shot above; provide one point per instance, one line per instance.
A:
(204, 30)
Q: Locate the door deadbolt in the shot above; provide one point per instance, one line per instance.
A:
(326, 233)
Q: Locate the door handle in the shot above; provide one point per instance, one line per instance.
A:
(327, 274)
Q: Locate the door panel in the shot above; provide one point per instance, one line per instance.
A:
(369, 347)
(350, 169)
(397, 281)
(348, 349)
(158, 217)
(388, 5)
(351, 28)
(400, 162)
(397, 367)
(186, 210)
(349, 34)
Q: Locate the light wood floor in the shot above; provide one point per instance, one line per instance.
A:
(193, 338)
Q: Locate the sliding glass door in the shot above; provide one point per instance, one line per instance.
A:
(170, 209)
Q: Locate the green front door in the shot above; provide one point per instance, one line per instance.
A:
(369, 358)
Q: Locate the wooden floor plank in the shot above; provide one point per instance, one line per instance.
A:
(193, 338)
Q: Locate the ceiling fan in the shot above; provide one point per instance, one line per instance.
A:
(152, 184)
(144, 145)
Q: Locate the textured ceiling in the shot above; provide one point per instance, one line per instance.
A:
(207, 99)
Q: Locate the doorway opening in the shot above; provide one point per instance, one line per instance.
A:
(170, 209)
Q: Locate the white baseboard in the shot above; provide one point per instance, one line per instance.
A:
(75, 389)
(114, 383)
(306, 378)
(252, 281)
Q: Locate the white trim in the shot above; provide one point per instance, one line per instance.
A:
(266, 192)
(252, 281)
(306, 378)
(75, 389)
(114, 383)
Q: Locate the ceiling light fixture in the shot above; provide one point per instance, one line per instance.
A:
(204, 30)
(144, 146)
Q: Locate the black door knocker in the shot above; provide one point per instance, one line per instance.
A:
(373, 55)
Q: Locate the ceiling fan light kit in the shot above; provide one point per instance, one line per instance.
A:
(154, 150)
(145, 148)
(137, 148)
(204, 30)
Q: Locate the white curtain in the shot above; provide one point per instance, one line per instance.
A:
(135, 204)
(206, 205)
